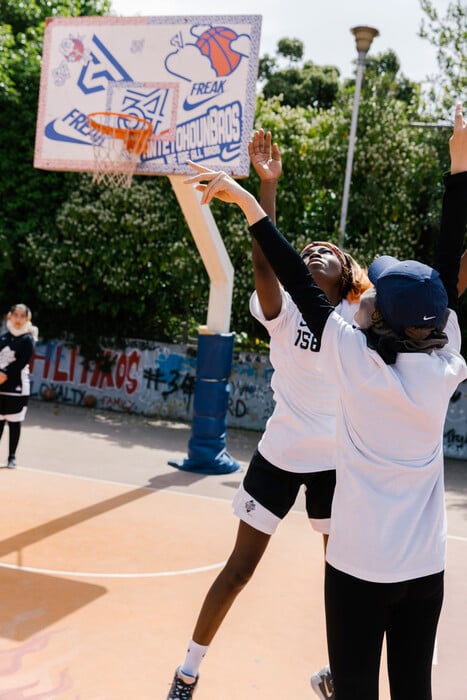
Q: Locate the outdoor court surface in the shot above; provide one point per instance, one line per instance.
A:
(107, 553)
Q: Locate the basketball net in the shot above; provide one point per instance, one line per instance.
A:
(118, 141)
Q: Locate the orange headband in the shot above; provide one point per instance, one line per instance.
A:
(337, 251)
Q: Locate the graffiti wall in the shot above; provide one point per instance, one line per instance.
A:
(455, 428)
(150, 378)
(157, 379)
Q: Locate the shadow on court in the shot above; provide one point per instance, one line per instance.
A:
(106, 553)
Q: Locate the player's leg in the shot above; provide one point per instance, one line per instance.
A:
(264, 498)
(355, 625)
(319, 494)
(249, 547)
(411, 634)
(14, 435)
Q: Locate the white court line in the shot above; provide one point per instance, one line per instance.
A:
(145, 487)
(163, 490)
(85, 574)
(92, 574)
(457, 537)
(155, 574)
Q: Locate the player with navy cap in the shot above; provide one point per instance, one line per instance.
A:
(386, 552)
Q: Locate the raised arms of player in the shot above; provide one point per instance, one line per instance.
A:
(284, 259)
(454, 215)
(462, 282)
(266, 160)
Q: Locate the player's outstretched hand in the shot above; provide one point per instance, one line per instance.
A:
(265, 156)
(458, 142)
(221, 186)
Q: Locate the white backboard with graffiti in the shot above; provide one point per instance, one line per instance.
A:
(193, 78)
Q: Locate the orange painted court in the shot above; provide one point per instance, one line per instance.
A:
(107, 553)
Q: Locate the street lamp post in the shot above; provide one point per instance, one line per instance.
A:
(363, 38)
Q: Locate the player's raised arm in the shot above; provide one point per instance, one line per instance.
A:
(266, 160)
(216, 184)
(451, 266)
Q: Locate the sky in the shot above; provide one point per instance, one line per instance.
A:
(324, 27)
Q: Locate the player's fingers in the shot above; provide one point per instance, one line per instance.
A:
(255, 143)
(198, 167)
(260, 133)
(212, 187)
(193, 179)
(276, 154)
(203, 174)
(458, 118)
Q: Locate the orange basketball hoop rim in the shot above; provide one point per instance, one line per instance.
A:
(135, 138)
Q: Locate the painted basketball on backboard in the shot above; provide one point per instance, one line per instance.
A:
(193, 78)
(215, 43)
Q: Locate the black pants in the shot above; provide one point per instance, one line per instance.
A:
(15, 432)
(358, 615)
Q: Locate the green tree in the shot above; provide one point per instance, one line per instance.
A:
(383, 79)
(306, 85)
(97, 263)
(395, 181)
(29, 198)
(291, 48)
(395, 195)
(448, 34)
(122, 264)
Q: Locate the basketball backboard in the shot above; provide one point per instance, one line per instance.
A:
(193, 78)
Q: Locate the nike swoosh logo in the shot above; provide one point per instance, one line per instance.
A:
(428, 318)
(193, 105)
(51, 133)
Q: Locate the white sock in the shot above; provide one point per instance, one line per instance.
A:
(194, 655)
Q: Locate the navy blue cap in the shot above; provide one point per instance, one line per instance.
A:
(408, 293)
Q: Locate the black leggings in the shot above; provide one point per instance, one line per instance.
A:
(15, 432)
(359, 613)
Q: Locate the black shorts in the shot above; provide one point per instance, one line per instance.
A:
(268, 493)
(13, 408)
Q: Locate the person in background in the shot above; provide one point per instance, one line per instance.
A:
(16, 349)
(385, 557)
(297, 447)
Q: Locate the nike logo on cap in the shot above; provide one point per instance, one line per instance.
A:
(428, 318)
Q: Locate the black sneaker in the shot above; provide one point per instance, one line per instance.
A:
(322, 684)
(11, 464)
(183, 686)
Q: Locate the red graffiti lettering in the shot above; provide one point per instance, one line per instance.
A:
(120, 371)
(133, 364)
(59, 375)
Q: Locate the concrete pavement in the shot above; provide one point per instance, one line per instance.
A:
(106, 553)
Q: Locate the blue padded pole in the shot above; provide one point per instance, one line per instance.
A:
(207, 453)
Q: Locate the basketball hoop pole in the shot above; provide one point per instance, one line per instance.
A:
(213, 254)
(207, 453)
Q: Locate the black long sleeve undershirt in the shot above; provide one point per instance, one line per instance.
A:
(450, 242)
(294, 276)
